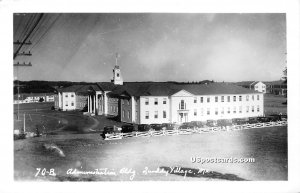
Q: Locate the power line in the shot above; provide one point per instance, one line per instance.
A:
(27, 36)
(39, 26)
(45, 32)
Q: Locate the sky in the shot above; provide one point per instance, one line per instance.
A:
(153, 46)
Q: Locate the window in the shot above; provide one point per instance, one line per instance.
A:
(253, 97)
(252, 108)
(66, 95)
(123, 115)
(240, 98)
(182, 104)
(122, 101)
(147, 115)
(146, 101)
(222, 98)
(216, 99)
(128, 114)
(222, 111)
(72, 95)
(66, 103)
(201, 99)
(72, 103)
(118, 74)
(208, 111)
(208, 99)
(195, 99)
(228, 110)
(240, 109)
(156, 101)
(228, 98)
(247, 109)
(156, 114)
(257, 108)
(164, 101)
(234, 109)
(115, 109)
(258, 97)
(195, 112)
(164, 114)
(247, 98)
(216, 111)
(234, 98)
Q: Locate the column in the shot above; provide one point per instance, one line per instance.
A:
(88, 103)
(94, 110)
(59, 99)
(105, 103)
(97, 105)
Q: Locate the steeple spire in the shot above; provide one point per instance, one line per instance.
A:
(117, 77)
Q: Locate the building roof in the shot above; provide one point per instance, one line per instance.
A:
(80, 89)
(106, 86)
(170, 88)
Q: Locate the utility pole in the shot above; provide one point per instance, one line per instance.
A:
(17, 53)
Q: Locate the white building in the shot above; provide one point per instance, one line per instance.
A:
(256, 85)
(166, 102)
(71, 98)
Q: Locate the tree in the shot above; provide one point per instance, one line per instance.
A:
(41, 99)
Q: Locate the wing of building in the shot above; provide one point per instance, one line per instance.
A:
(162, 102)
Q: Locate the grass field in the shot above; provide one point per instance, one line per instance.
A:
(87, 152)
(53, 122)
(273, 104)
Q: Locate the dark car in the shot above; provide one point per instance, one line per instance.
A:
(108, 130)
(224, 122)
(186, 125)
(253, 120)
(211, 123)
(168, 126)
(263, 119)
(144, 127)
(278, 117)
(156, 127)
(127, 128)
(198, 124)
(239, 121)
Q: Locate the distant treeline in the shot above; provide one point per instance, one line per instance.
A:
(37, 86)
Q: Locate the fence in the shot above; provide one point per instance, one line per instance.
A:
(194, 130)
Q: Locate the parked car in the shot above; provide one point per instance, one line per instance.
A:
(197, 124)
(144, 127)
(211, 123)
(156, 127)
(264, 119)
(185, 125)
(278, 117)
(240, 121)
(168, 126)
(224, 122)
(110, 130)
(127, 128)
(253, 120)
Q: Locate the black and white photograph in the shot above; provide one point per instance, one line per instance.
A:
(139, 96)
